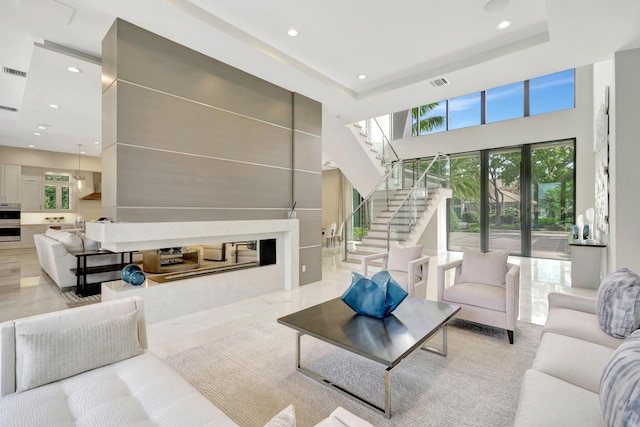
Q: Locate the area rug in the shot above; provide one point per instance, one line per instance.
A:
(251, 376)
(72, 300)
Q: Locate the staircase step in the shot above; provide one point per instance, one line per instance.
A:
(382, 227)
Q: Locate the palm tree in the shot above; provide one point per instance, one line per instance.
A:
(421, 124)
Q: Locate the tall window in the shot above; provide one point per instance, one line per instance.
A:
(535, 178)
(57, 191)
(464, 209)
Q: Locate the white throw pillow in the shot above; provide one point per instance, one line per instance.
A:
(70, 241)
(285, 418)
(489, 268)
(55, 355)
(52, 233)
(399, 257)
(89, 244)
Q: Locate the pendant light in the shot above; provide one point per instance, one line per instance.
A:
(79, 178)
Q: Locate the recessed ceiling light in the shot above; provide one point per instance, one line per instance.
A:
(37, 133)
(43, 126)
(31, 146)
(54, 106)
(293, 32)
(362, 76)
(504, 24)
(74, 69)
(96, 142)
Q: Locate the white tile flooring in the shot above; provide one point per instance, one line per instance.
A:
(25, 290)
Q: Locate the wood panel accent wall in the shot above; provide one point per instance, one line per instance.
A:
(189, 138)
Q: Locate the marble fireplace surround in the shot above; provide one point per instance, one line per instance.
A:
(176, 298)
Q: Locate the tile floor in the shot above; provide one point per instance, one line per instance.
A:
(25, 290)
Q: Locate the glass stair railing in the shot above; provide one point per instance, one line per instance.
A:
(376, 138)
(391, 210)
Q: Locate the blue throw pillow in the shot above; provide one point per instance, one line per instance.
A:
(375, 297)
(618, 303)
(619, 385)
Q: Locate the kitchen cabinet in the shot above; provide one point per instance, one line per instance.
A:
(26, 235)
(10, 183)
(31, 196)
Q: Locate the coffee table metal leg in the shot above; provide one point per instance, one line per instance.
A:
(442, 352)
(328, 383)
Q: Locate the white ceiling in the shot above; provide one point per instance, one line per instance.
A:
(400, 46)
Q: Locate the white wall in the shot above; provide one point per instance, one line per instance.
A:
(346, 152)
(624, 162)
(330, 196)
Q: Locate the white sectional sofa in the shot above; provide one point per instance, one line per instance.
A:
(90, 366)
(587, 367)
(562, 386)
(55, 259)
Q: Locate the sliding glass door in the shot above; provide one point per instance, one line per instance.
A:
(553, 204)
(464, 207)
(504, 200)
(519, 198)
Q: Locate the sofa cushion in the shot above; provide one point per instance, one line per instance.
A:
(572, 360)
(285, 418)
(72, 242)
(477, 294)
(55, 355)
(620, 384)
(89, 244)
(141, 390)
(578, 324)
(52, 233)
(548, 401)
(618, 303)
(489, 268)
(399, 258)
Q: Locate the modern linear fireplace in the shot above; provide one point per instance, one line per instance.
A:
(277, 241)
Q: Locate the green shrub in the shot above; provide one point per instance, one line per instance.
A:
(471, 216)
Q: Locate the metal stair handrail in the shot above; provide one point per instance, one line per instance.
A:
(385, 179)
(409, 197)
(386, 143)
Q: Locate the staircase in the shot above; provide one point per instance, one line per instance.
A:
(380, 153)
(398, 210)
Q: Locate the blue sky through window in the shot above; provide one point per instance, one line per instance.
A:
(553, 92)
(505, 102)
(464, 111)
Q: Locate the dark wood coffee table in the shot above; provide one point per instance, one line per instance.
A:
(397, 335)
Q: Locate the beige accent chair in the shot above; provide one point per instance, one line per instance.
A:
(399, 261)
(486, 286)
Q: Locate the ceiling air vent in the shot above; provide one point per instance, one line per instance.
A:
(439, 82)
(5, 108)
(14, 72)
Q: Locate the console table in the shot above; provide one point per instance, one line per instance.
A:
(83, 287)
(586, 265)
